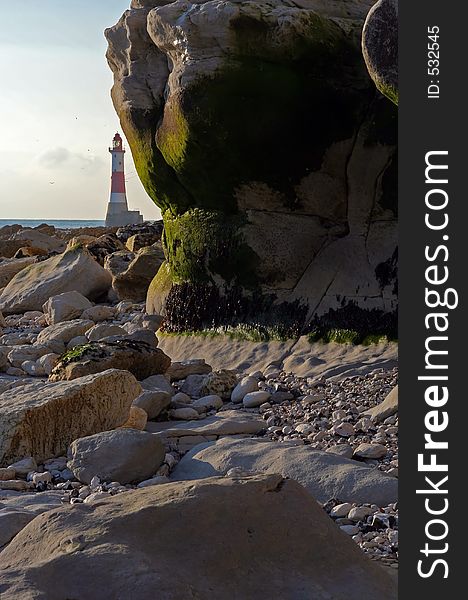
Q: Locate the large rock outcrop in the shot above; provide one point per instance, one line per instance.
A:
(258, 131)
(223, 538)
(41, 419)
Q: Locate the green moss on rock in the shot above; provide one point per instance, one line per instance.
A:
(268, 114)
(204, 244)
(75, 354)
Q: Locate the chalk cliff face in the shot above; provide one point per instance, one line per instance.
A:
(257, 130)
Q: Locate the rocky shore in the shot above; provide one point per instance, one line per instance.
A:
(96, 417)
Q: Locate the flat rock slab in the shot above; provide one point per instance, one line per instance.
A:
(234, 538)
(229, 422)
(41, 419)
(323, 474)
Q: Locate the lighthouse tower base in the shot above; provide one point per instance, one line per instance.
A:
(118, 216)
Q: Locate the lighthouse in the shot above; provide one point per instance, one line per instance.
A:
(117, 209)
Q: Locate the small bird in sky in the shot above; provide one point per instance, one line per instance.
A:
(51, 182)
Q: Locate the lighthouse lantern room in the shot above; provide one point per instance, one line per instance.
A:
(117, 209)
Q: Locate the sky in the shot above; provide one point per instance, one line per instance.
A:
(56, 116)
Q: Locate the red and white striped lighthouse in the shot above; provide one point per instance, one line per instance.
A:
(117, 209)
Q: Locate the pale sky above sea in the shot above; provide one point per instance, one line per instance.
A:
(56, 116)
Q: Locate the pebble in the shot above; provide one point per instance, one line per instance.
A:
(350, 529)
(184, 414)
(255, 399)
(41, 478)
(341, 510)
(24, 466)
(359, 513)
(96, 496)
(370, 451)
(7, 474)
(244, 387)
(344, 429)
(344, 450)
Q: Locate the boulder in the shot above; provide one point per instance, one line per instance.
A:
(82, 239)
(142, 240)
(304, 210)
(99, 313)
(181, 370)
(123, 455)
(244, 387)
(324, 475)
(206, 539)
(41, 240)
(41, 419)
(79, 340)
(158, 382)
(147, 228)
(137, 419)
(65, 307)
(132, 284)
(186, 413)
(104, 246)
(20, 354)
(118, 262)
(25, 251)
(255, 399)
(139, 358)
(75, 270)
(11, 267)
(372, 451)
(98, 332)
(11, 523)
(207, 403)
(220, 383)
(8, 248)
(385, 409)
(64, 331)
(153, 402)
(380, 47)
(144, 335)
(48, 362)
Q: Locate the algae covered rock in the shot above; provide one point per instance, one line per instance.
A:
(140, 358)
(380, 47)
(257, 130)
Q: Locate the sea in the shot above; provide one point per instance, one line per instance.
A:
(57, 223)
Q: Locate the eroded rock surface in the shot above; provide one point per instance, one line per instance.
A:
(41, 419)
